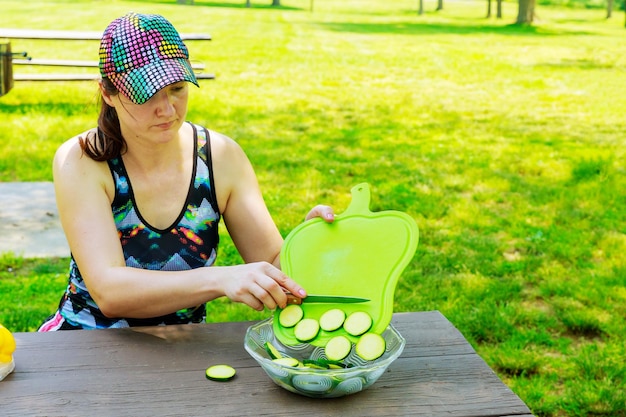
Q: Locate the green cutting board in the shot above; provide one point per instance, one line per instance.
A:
(361, 254)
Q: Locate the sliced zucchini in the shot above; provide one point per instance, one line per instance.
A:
(272, 351)
(315, 364)
(332, 319)
(290, 315)
(332, 364)
(306, 330)
(220, 373)
(338, 348)
(358, 323)
(286, 361)
(370, 346)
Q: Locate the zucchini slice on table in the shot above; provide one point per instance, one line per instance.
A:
(332, 319)
(290, 315)
(371, 346)
(220, 373)
(358, 323)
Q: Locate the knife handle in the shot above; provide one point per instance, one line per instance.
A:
(292, 299)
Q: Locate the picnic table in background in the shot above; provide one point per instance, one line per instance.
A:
(9, 58)
(152, 371)
(75, 35)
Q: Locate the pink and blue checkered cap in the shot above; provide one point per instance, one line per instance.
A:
(141, 54)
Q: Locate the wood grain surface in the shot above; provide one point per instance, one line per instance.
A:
(159, 371)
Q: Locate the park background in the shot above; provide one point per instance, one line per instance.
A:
(504, 142)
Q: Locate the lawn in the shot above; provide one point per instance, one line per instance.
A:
(504, 143)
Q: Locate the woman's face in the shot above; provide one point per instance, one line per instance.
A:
(158, 119)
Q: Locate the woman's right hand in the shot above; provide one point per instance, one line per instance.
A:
(259, 285)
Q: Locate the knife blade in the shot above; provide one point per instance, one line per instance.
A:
(314, 298)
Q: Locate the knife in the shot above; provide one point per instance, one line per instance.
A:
(292, 299)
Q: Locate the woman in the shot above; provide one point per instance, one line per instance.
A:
(141, 195)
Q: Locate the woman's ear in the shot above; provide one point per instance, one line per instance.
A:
(106, 96)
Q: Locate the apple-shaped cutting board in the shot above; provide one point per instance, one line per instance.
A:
(361, 254)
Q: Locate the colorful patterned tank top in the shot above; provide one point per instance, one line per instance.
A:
(191, 242)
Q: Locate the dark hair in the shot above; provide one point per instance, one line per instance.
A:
(108, 142)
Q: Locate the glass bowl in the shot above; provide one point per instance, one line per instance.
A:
(319, 383)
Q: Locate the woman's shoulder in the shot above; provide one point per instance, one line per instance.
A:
(73, 170)
(222, 144)
(72, 146)
(69, 155)
(213, 134)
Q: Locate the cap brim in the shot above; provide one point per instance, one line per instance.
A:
(140, 84)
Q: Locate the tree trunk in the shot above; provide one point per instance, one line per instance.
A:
(488, 8)
(499, 9)
(439, 4)
(420, 10)
(248, 3)
(526, 12)
(609, 9)
(275, 2)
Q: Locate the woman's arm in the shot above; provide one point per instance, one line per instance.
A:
(84, 190)
(241, 203)
(245, 214)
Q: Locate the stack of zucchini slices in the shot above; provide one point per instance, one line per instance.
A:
(369, 346)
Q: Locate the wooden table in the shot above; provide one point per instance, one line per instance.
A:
(159, 371)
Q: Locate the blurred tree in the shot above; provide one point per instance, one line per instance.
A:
(498, 9)
(274, 3)
(525, 12)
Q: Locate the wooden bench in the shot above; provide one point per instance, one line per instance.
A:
(76, 35)
(76, 64)
(8, 58)
(6, 69)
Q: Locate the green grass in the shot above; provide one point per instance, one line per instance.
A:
(504, 143)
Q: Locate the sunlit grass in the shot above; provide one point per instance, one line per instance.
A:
(504, 143)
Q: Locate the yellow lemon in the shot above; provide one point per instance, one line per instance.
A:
(7, 345)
